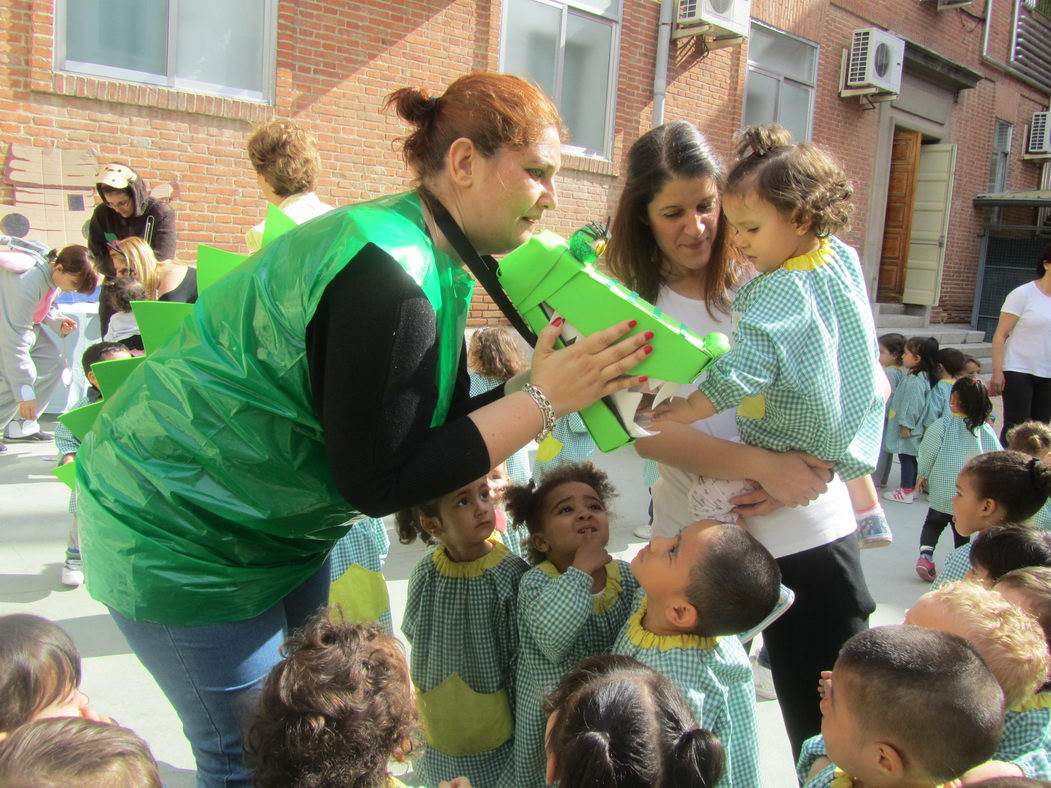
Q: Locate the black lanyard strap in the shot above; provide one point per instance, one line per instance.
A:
(483, 268)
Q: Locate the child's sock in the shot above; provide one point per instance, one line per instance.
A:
(927, 551)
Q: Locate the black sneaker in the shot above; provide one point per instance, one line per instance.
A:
(36, 437)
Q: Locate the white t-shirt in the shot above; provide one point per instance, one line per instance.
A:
(1028, 348)
(298, 207)
(121, 326)
(783, 532)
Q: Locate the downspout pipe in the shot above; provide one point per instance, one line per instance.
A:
(660, 74)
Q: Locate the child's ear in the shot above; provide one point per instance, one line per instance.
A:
(92, 380)
(803, 227)
(988, 507)
(889, 761)
(539, 543)
(432, 525)
(683, 615)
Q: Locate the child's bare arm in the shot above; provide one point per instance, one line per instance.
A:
(684, 410)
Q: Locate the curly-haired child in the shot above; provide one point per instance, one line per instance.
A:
(571, 604)
(1033, 438)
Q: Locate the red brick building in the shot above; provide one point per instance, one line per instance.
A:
(174, 91)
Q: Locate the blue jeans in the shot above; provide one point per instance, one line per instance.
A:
(209, 673)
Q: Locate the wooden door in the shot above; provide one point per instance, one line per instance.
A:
(930, 224)
(897, 227)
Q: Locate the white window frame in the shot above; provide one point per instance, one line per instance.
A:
(615, 19)
(781, 78)
(169, 80)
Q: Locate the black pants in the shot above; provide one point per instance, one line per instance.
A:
(933, 527)
(1026, 398)
(832, 605)
(909, 468)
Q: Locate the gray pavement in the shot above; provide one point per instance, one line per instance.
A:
(33, 526)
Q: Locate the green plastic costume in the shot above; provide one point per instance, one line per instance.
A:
(205, 491)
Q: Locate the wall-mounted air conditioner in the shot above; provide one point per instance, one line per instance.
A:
(945, 5)
(1038, 142)
(726, 17)
(876, 58)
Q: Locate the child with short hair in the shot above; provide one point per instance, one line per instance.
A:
(571, 604)
(802, 370)
(614, 722)
(950, 369)
(1033, 438)
(972, 367)
(992, 489)
(946, 447)
(908, 407)
(1004, 548)
(77, 753)
(334, 711)
(903, 705)
(39, 673)
(68, 445)
(710, 582)
(1012, 645)
(891, 348)
(461, 621)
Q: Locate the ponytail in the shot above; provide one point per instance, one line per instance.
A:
(587, 762)
(974, 402)
(1019, 484)
(696, 760)
(926, 349)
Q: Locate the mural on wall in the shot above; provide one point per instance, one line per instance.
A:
(54, 193)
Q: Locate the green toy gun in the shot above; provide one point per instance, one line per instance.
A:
(547, 276)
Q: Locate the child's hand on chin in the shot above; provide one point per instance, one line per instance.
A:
(591, 555)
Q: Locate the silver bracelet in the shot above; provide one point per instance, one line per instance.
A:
(546, 410)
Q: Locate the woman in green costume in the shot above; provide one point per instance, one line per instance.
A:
(321, 381)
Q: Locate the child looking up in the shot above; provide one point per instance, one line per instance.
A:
(614, 722)
(907, 409)
(1004, 548)
(802, 371)
(891, 348)
(1033, 438)
(571, 604)
(953, 722)
(992, 489)
(711, 581)
(460, 618)
(946, 447)
(68, 446)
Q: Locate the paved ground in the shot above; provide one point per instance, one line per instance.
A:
(33, 526)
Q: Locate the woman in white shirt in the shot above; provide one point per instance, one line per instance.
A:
(1022, 350)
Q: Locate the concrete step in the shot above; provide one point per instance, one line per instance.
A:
(890, 309)
(893, 322)
(982, 351)
(945, 333)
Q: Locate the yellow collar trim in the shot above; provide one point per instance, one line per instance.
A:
(840, 779)
(475, 568)
(1038, 700)
(640, 637)
(811, 260)
(610, 593)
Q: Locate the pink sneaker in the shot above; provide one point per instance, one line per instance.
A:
(925, 569)
(900, 496)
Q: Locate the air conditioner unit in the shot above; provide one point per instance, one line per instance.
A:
(945, 5)
(1039, 141)
(876, 57)
(727, 17)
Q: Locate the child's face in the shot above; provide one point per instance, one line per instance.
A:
(844, 740)
(888, 359)
(108, 357)
(972, 369)
(69, 705)
(465, 517)
(972, 513)
(762, 234)
(909, 359)
(663, 567)
(571, 510)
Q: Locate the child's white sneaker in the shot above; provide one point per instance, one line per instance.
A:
(900, 496)
(72, 573)
(643, 532)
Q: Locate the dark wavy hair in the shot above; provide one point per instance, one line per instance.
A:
(621, 724)
(974, 402)
(1019, 484)
(676, 150)
(494, 353)
(926, 349)
(39, 665)
(333, 710)
(525, 504)
(1004, 548)
(894, 343)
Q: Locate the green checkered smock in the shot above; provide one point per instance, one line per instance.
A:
(957, 564)
(67, 443)
(716, 678)
(811, 749)
(1027, 736)
(560, 623)
(460, 619)
(907, 408)
(577, 445)
(938, 402)
(1041, 519)
(946, 447)
(803, 369)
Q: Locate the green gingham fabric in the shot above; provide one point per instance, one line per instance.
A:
(812, 749)
(66, 443)
(804, 339)
(1027, 737)
(907, 408)
(365, 544)
(517, 463)
(577, 445)
(717, 684)
(650, 473)
(1041, 519)
(957, 564)
(465, 625)
(938, 402)
(945, 448)
(559, 623)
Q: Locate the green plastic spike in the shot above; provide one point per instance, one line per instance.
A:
(159, 321)
(80, 420)
(277, 224)
(112, 374)
(66, 473)
(213, 264)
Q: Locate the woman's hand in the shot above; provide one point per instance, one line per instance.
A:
(793, 478)
(27, 409)
(996, 384)
(591, 368)
(754, 503)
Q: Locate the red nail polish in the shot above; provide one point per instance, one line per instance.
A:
(557, 322)
(648, 336)
(643, 378)
(648, 349)
(632, 323)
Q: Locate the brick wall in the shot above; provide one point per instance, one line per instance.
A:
(336, 61)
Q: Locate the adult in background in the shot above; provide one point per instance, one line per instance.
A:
(287, 164)
(127, 210)
(1022, 350)
(669, 243)
(322, 381)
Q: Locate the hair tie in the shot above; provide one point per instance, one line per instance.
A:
(756, 152)
(1032, 472)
